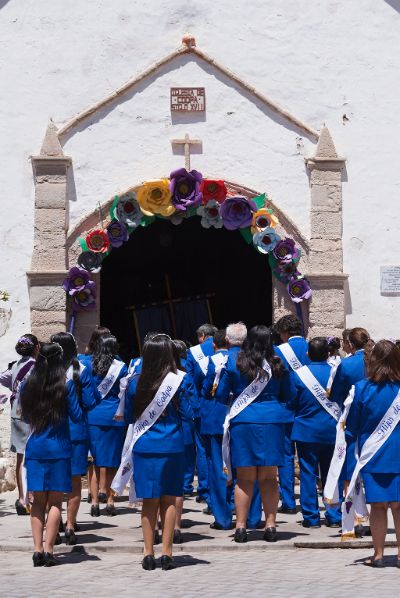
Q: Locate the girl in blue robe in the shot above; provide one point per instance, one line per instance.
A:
(47, 399)
(381, 474)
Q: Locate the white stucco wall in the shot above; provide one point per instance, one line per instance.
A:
(320, 60)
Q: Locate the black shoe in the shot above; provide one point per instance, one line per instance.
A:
(367, 530)
(207, 511)
(287, 511)
(270, 534)
(95, 511)
(77, 528)
(200, 498)
(307, 524)
(167, 563)
(149, 563)
(111, 511)
(378, 563)
(58, 540)
(70, 537)
(177, 537)
(215, 525)
(21, 509)
(332, 523)
(89, 497)
(38, 559)
(157, 537)
(240, 535)
(50, 560)
(102, 497)
(358, 531)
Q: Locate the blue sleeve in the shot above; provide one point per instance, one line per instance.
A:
(129, 395)
(185, 394)
(336, 394)
(291, 391)
(88, 397)
(208, 381)
(74, 409)
(190, 363)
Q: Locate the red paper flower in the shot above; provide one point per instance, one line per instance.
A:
(98, 241)
(213, 190)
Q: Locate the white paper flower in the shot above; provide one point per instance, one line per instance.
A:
(210, 215)
(128, 210)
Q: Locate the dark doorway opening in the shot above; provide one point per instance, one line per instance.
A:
(185, 271)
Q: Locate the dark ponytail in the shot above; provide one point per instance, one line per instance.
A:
(69, 357)
(257, 347)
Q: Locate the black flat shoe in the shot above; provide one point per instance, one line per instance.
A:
(167, 563)
(240, 535)
(70, 537)
(95, 511)
(287, 511)
(358, 531)
(157, 537)
(102, 497)
(38, 559)
(77, 528)
(149, 563)
(177, 537)
(50, 560)
(270, 534)
(58, 540)
(21, 509)
(377, 563)
(200, 499)
(111, 511)
(307, 524)
(367, 530)
(207, 511)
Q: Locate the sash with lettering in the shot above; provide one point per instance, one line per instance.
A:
(111, 377)
(355, 498)
(199, 356)
(331, 490)
(312, 384)
(219, 360)
(150, 415)
(246, 397)
(20, 372)
(290, 356)
(123, 385)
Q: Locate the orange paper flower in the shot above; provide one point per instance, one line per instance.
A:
(262, 219)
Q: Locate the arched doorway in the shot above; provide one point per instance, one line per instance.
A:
(174, 278)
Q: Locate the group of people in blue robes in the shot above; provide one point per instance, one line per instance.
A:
(235, 409)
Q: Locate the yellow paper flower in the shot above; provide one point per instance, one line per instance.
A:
(262, 219)
(154, 197)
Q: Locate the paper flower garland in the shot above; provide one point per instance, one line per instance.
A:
(265, 240)
(210, 216)
(127, 210)
(299, 289)
(215, 190)
(262, 219)
(237, 212)
(97, 241)
(185, 189)
(81, 288)
(154, 198)
(90, 261)
(117, 233)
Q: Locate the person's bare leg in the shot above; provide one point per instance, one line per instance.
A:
(54, 501)
(269, 490)
(246, 476)
(378, 522)
(18, 474)
(179, 509)
(395, 507)
(90, 475)
(94, 487)
(74, 501)
(38, 514)
(168, 516)
(110, 474)
(102, 478)
(149, 520)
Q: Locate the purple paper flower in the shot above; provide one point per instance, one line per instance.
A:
(185, 189)
(286, 271)
(85, 299)
(237, 212)
(76, 280)
(299, 289)
(286, 251)
(90, 261)
(117, 233)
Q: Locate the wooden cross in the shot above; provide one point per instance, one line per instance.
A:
(186, 142)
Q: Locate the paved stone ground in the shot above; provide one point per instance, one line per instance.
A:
(107, 561)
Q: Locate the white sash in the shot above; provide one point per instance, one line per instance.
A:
(290, 356)
(219, 360)
(111, 377)
(331, 490)
(246, 397)
(123, 385)
(199, 356)
(354, 502)
(312, 384)
(16, 410)
(334, 368)
(70, 371)
(150, 415)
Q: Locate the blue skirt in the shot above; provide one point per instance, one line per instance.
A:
(45, 475)
(106, 443)
(79, 460)
(381, 487)
(257, 444)
(158, 474)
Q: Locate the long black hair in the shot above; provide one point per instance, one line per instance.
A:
(257, 347)
(159, 358)
(27, 345)
(69, 357)
(97, 333)
(105, 351)
(43, 397)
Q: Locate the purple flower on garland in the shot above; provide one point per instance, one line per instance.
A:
(117, 233)
(286, 251)
(90, 261)
(237, 212)
(76, 280)
(299, 289)
(286, 271)
(85, 299)
(185, 189)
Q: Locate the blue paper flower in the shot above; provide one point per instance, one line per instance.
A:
(265, 240)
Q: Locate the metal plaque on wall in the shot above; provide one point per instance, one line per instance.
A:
(188, 99)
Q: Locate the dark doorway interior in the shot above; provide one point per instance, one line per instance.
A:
(190, 265)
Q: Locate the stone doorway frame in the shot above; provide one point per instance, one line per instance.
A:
(55, 248)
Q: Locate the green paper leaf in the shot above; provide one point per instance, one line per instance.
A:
(83, 244)
(259, 200)
(246, 234)
(113, 206)
(192, 212)
(146, 220)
